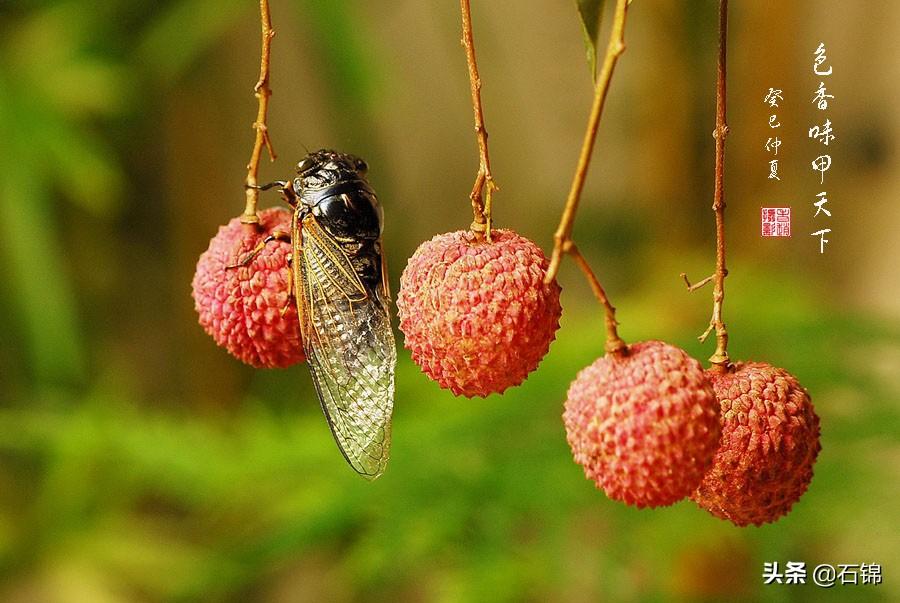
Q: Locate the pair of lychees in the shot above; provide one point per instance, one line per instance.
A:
(647, 423)
(651, 427)
(476, 315)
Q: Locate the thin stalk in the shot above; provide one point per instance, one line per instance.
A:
(563, 236)
(720, 356)
(262, 93)
(482, 191)
(719, 359)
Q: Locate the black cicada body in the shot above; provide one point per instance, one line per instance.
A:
(343, 297)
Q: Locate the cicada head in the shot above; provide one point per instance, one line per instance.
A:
(324, 168)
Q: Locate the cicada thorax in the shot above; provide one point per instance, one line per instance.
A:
(350, 213)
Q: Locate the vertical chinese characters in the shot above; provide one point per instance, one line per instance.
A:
(772, 98)
(824, 134)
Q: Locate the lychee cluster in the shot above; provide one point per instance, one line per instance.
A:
(476, 314)
(770, 441)
(643, 424)
(647, 424)
(248, 309)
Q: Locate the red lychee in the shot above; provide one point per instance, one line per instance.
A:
(643, 424)
(477, 315)
(242, 307)
(770, 440)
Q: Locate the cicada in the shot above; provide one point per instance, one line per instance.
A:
(341, 289)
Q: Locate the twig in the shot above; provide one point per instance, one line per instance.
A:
(484, 187)
(614, 50)
(720, 356)
(262, 92)
(563, 237)
(698, 284)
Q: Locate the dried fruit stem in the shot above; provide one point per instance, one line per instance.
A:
(563, 236)
(262, 92)
(484, 186)
(720, 356)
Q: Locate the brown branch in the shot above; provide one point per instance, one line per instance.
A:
(719, 358)
(482, 191)
(614, 50)
(262, 92)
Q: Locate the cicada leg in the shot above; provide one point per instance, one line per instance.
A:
(275, 236)
(265, 187)
(283, 185)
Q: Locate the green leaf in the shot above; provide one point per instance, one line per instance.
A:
(590, 13)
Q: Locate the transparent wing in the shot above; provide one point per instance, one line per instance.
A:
(349, 347)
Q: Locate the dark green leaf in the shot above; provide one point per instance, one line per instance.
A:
(590, 12)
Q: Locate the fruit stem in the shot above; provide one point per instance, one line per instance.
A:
(484, 187)
(614, 343)
(563, 237)
(262, 92)
(720, 356)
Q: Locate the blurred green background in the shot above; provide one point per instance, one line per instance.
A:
(139, 462)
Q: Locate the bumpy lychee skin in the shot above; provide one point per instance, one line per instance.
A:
(476, 315)
(644, 425)
(242, 307)
(770, 441)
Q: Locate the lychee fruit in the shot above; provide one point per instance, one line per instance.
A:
(476, 314)
(643, 423)
(770, 441)
(248, 309)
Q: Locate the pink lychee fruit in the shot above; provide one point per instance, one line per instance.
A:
(477, 315)
(248, 310)
(770, 441)
(643, 424)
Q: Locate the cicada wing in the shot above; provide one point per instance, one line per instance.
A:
(349, 348)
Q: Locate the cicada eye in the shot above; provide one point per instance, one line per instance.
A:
(361, 166)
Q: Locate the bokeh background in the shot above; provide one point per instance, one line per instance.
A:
(139, 462)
